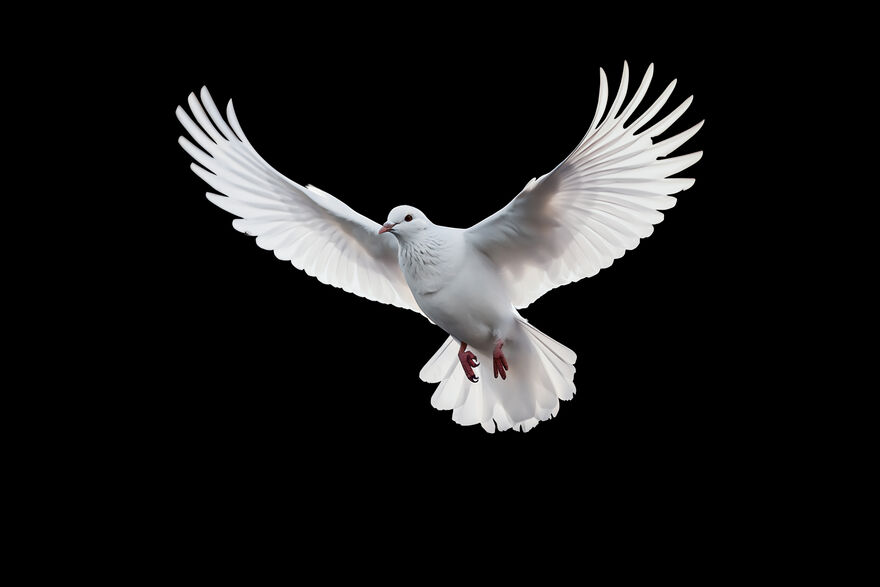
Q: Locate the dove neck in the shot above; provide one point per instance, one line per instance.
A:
(423, 259)
(422, 250)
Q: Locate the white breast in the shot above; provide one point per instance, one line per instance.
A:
(430, 261)
(459, 289)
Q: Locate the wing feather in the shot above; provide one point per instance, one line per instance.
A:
(595, 205)
(304, 225)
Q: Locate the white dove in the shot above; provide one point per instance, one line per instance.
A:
(562, 227)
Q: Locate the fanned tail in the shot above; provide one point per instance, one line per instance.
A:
(541, 373)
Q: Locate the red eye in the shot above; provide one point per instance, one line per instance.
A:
(408, 218)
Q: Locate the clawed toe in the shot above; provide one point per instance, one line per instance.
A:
(499, 362)
(468, 362)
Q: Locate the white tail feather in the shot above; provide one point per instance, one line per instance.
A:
(439, 367)
(541, 373)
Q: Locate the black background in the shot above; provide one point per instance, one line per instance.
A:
(257, 375)
(195, 397)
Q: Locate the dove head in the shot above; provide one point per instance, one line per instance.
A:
(406, 222)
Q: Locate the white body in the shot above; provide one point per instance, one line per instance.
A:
(565, 226)
(460, 289)
(457, 288)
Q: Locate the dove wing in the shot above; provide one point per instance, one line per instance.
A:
(304, 225)
(595, 205)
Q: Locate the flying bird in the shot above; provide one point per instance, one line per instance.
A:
(495, 369)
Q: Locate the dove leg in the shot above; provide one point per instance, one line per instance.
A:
(499, 361)
(468, 362)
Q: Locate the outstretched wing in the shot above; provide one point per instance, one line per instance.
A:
(304, 225)
(596, 205)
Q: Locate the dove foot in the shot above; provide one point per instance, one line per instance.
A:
(468, 362)
(499, 361)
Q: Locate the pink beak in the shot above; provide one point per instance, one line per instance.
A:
(386, 227)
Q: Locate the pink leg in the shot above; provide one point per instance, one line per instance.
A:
(468, 362)
(499, 361)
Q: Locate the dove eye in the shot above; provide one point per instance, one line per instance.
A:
(408, 218)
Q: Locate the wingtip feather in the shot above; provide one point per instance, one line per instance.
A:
(687, 183)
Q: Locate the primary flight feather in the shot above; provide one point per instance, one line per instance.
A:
(564, 226)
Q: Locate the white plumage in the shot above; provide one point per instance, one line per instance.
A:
(570, 223)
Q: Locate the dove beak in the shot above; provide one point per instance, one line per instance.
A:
(387, 226)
